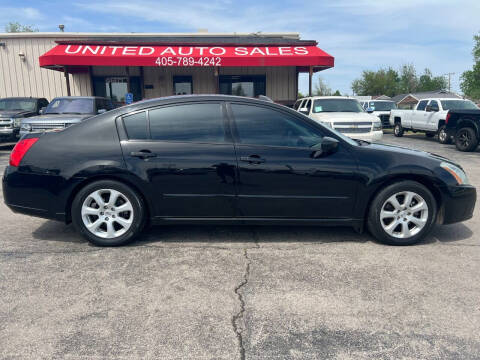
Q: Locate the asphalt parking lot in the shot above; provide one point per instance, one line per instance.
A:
(191, 292)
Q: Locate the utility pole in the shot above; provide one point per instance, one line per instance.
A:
(449, 78)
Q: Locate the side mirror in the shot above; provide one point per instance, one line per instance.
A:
(41, 111)
(304, 110)
(428, 108)
(328, 146)
(370, 110)
(101, 111)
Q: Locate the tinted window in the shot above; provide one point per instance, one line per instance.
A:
(297, 104)
(136, 125)
(308, 105)
(382, 105)
(458, 105)
(434, 104)
(191, 122)
(70, 106)
(17, 104)
(336, 105)
(261, 126)
(422, 104)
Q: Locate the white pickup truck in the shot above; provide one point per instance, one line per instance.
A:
(429, 116)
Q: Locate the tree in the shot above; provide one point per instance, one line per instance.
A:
(380, 82)
(470, 79)
(337, 93)
(322, 89)
(428, 82)
(16, 27)
(408, 79)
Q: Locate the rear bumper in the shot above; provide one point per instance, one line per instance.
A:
(458, 203)
(35, 195)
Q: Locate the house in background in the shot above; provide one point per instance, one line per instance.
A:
(409, 101)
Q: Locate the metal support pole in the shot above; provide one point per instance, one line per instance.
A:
(310, 76)
(217, 79)
(142, 82)
(127, 70)
(67, 80)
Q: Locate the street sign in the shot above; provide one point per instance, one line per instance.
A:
(128, 98)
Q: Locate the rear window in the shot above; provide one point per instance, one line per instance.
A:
(136, 126)
(189, 122)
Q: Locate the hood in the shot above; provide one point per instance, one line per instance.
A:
(408, 151)
(54, 118)
(15, 113)
(343, 116)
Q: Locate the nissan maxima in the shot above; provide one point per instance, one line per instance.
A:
(228, 160)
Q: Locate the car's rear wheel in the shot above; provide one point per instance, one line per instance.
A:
(108, 213)
(398, 129)
(443, 137)
(402, 213)
(466, 139)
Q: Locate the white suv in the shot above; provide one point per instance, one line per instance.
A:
(343, 114)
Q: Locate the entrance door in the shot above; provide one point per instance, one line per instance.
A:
(186, 158)
(116, 87)
(279, 178)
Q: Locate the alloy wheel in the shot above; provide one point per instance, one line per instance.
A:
(464, 139)
(404, 214)
(442, 135)
(107, 213)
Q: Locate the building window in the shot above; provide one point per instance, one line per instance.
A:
(182, 85)
(116, 87)
(250, 85)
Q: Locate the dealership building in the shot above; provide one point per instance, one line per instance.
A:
(154, 65)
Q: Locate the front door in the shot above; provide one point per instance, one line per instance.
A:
(278, 177)
(185, 157)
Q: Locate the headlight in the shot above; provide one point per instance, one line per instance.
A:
(26, 127)
(16, 121)
(456, 172)
(377, 126)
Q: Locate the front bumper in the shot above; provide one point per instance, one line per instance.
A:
(458, 203)
(371, 136)
(9, 132)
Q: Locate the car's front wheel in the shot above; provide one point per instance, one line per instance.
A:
(402, 213)
(398, 129)
(108, 213)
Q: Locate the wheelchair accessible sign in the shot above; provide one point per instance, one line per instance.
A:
(128, 98)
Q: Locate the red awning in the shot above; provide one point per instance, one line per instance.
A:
(113, 55)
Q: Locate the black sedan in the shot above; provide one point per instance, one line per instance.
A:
(228, 160)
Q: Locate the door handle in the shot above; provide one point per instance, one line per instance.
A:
(143, 154)
(252, 159)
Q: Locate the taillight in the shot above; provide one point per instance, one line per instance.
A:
(20, 150)
(448, 117)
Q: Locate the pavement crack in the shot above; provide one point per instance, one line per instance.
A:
(238, 322)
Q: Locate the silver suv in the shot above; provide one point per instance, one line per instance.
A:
(66, 111)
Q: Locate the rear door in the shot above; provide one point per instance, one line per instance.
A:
(184, 153)
(278, 177)
(431, 117)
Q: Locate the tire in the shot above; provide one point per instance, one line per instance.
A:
(113, 226)
(429, 134)
(443, 137)
(398, 130)
(466, 139)
(396, 234)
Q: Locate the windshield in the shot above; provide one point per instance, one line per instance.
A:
(458, 105)
(70, 106)
(17, 104)
(382, 105)
(336, 105)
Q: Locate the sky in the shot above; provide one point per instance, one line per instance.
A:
(360, 34)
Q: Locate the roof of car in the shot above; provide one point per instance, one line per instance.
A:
(201, 97)
(81, 97)
(328, 97)
(22, 97)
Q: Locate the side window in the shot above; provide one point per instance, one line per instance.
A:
(297, 104)
(422, 105)
(434, 105)
(189, 122)
(308, 105)
(262, 126)
(136, 126)
(42, 103)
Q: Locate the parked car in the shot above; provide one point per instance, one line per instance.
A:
(429, 116)
(343, 114)
(65, 111)
(228, 160)
(380, 108)
(464, 127)
(13, 110)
